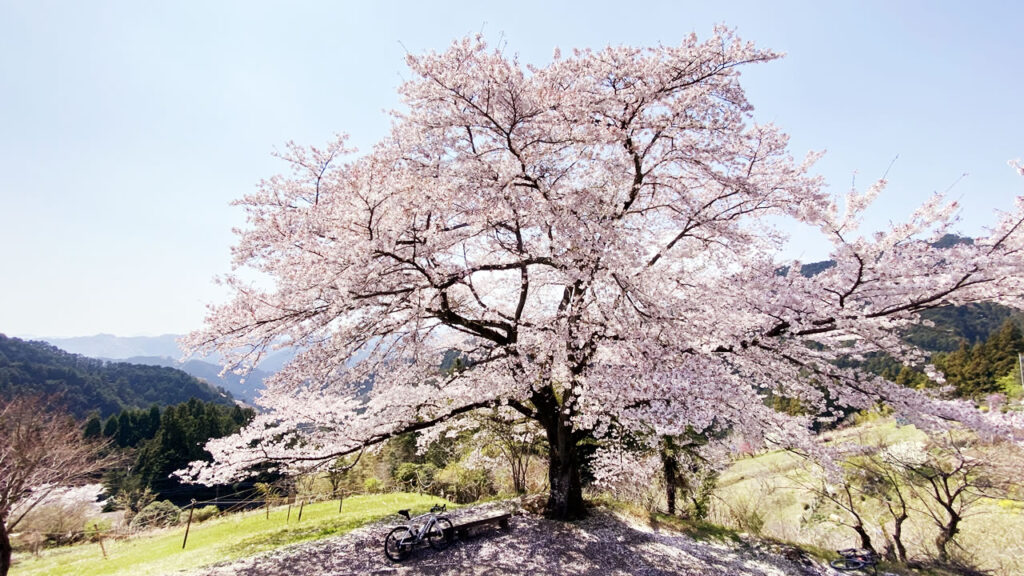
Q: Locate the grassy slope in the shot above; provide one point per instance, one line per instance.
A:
(217, 540)
(769, 485)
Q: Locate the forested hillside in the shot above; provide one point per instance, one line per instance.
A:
(87, 384)
(976, 347)
(158, 442)
(972, 323)
(242, 387)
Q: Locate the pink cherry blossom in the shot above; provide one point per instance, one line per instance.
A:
(598, 239)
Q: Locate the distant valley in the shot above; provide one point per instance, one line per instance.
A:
(165, 346)
(165, 351)
(245, 388)
(86, 385)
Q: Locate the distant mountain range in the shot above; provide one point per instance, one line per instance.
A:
(119, 347)
(245, 388)
(86, 384)
(166, 346)
(165, 351)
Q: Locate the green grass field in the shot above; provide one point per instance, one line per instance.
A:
(227, 538)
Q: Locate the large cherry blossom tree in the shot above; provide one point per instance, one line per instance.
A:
(598, 239)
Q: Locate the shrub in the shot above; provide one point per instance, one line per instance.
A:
(159, 513)
(745, 514)
(418, 477)
(372, 485)
(205, 513)
(132, 501)
(95, 527)
(57, 523)
(463, 485)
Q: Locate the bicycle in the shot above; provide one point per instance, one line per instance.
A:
(436, 530)
(855, 559)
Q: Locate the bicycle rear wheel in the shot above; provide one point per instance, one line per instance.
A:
(440, 534)
(398, 544)
(847, 564)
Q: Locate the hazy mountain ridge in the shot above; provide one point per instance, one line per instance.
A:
(165, 351)
(120, 347)
(245, 388)
(89, 384)
(164, 346)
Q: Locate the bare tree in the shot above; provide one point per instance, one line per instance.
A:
(869, 474)
(518, 440)
(883, 481)
(843, 489)
(41, 449)
(949, 476)
(336, 474)
(844, 495)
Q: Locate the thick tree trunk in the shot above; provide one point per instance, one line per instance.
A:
(671, 482)
(5, 549)
(565, 501)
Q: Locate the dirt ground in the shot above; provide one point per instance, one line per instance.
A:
(604, 544)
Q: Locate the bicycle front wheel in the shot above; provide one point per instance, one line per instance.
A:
(847, 564)
(398, 544)
(440, 534)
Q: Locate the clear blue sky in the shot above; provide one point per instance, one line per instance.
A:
(127, 128)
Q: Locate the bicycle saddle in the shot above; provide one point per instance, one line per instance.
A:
(404, 513)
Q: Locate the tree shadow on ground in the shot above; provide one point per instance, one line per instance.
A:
(601, 544)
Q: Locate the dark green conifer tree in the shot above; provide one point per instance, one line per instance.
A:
(93, 427)
(110, 427)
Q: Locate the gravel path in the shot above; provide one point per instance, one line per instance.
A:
(601, 544)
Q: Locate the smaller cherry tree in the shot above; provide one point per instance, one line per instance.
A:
(42, 449)
(886, 484)
(950, 475)
(838, 488)
(517, 439)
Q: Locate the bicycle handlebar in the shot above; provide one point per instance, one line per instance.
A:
(433, 510)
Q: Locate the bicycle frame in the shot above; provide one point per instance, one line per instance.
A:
(419, 534)
(856, 559)
(432, 527)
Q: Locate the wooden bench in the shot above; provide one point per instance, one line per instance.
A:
(463, 529)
